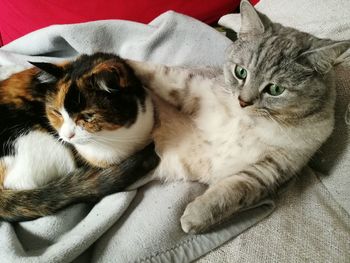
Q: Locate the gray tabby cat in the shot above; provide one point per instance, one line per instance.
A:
(248, 130)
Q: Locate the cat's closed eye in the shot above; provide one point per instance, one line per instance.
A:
(56, 112)
(88, 117)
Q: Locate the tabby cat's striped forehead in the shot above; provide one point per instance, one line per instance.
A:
(272, 56)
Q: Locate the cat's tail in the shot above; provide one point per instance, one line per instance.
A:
(83, 185)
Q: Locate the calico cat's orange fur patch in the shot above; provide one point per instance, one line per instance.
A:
(118, 67)
(2, 174)
(61, 95)
(17, 94)
(110, 126)
(57, 102)
(55, 120)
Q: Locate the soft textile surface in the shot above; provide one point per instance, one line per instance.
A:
(307, 226)
(311, 222)
(19, 17)
(133, 229)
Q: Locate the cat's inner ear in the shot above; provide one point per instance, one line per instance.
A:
(251, 23)
(49, 71)
(324, 57)
(110, 76)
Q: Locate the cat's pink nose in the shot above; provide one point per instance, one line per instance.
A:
(70, 135)
(244, 103)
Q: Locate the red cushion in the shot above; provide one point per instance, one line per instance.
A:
(19, 17)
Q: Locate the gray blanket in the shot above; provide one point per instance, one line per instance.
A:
(130, 226)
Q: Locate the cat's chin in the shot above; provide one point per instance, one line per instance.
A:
(80, 142)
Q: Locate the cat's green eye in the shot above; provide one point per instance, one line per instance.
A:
(274, 89)
(241, 73)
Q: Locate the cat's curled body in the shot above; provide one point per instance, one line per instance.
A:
(101, 114)
(250, 129)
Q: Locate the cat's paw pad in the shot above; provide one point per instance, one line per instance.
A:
(193, 220)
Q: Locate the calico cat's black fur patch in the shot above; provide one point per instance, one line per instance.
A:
(21, 115)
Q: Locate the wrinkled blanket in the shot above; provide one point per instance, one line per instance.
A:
(133, 226)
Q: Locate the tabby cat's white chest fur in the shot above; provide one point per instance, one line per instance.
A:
(232, 146)
(222, 141)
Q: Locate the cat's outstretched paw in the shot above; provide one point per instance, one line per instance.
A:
(195, 218)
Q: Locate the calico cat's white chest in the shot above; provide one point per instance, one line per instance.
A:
(99, 155)
(108, 147)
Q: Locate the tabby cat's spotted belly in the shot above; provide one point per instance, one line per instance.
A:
(208, 161)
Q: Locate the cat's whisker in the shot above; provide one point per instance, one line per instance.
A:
(117, 137)
(120, 139)
(61, 141)
(279, 125)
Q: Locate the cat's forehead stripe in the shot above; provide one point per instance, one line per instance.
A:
(61, 95)
(110, 66)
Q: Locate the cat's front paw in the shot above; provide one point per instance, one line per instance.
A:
(195, 218)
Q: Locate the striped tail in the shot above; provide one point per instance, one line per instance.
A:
(82, 185)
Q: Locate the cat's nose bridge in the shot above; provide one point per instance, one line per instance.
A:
(247, 96)
(70, 134)
(68, 129)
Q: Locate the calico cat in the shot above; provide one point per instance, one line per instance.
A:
(66, 134)
(250, 128)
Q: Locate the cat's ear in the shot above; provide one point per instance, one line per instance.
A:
(49, 68)
(251, 23)
(328, 54)
(111, 76)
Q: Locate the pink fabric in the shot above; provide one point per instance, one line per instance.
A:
(19, 17)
